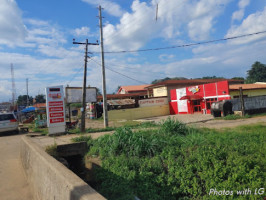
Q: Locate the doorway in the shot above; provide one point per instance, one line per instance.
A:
(196, 105)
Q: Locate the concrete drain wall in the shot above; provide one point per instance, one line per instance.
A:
(51, 180)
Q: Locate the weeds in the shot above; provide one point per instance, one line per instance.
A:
(177, 162)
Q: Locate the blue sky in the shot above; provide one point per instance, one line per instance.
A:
(36, 36)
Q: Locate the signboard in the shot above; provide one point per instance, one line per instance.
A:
(181, 104)
(74, 95)
(153, 102)
(55, 109)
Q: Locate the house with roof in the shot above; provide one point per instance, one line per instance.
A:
(131, 89)
(249, 90)
(162, 89)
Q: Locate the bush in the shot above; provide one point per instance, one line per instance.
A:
(173, 127)
(169, 165)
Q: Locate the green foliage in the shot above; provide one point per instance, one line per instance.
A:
(75, 105)
(22, 100)
(172, 126)
(176, 162)
(234, 117)
(167, 78)
(52, 150)
(95, 130)
(257, 73)
(87, 139)
(43, 131)
(40, 98)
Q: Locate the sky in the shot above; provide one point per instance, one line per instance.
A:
(36, 37)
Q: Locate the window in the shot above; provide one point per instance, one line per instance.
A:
(209, 102)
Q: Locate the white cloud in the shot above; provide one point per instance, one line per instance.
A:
(253, 23)
(83, 31)
(12, 29)
(175, 18)
(239, 14)
(110, 7)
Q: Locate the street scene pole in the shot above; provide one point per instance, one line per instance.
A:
(105, 116)
(83, 110)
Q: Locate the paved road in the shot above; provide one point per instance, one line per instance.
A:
(13, 183)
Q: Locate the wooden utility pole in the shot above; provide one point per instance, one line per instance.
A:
(83, 111)
(105, 116)
(242, 102)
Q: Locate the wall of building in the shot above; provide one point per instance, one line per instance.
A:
(160, 92)
(249, 93)
(139, 113)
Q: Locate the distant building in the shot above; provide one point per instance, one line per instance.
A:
(249, 90)
(131, 89)
(162, 89)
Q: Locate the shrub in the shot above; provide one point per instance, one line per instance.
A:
(173, 127)
(180, 166)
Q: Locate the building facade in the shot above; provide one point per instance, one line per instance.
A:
(198, 98)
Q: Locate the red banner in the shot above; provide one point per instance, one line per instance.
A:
(56, 120)
(56, 103)
(55, 109)
(52, 115)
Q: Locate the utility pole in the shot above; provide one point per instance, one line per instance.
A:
(242, 101)
(82, 128)
(27, 87)
(105, 117)
(13, 86)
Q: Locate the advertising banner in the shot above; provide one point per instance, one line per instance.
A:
(74, 95)
(55, 109)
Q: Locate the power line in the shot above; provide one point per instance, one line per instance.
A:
(120, 73)
(75, 75)
(185, 45)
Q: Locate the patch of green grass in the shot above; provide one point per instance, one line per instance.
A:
(234, 117)
(87, 139)
(95, 130)
(179, 162)
(52, 150)
(43, 131)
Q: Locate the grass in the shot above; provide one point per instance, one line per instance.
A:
(179, 162)
(234, 117)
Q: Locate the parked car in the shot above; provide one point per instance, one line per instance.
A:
(8, 122)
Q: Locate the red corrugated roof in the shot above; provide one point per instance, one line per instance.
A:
(247, 86)
(132, 88)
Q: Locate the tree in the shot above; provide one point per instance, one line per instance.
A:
(22, 100)
(40, 98)
(257, 73)
(117, 89)
(238, 78)
(98, 92)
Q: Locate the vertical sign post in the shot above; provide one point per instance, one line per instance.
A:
(55, 110)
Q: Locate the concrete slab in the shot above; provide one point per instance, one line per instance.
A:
(13, 182)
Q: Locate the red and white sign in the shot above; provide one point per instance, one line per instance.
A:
(56, 103)
(53, 115)
(55, 109)
(57, 120)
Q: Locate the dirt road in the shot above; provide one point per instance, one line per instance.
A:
(13, 183)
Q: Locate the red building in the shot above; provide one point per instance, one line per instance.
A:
(198, 99)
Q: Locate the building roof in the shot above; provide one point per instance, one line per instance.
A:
(192, 81)
(39, 105)
(122, 96)
(132, 88)
(247, 86)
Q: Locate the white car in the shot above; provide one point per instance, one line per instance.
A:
(8, 122)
